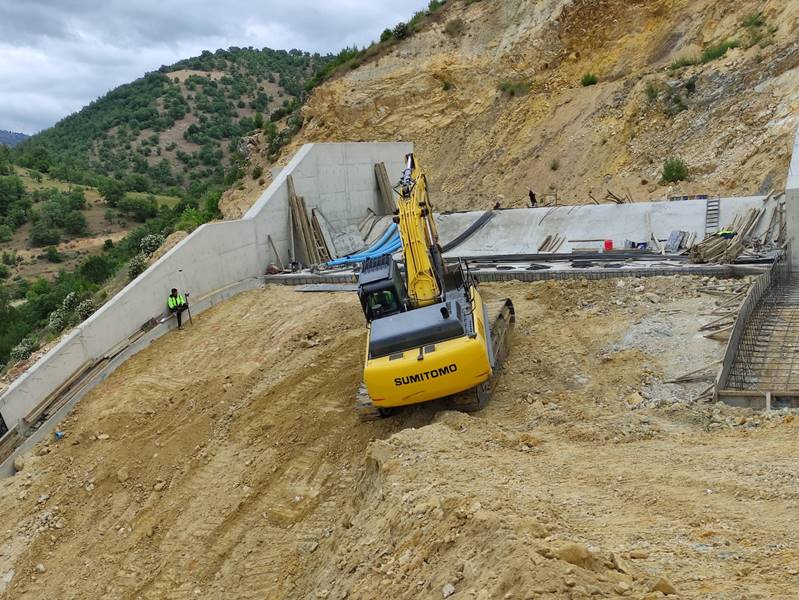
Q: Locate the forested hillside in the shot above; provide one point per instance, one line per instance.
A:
(178, 129)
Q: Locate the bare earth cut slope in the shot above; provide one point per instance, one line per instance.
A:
(226, 462)
(491, 95)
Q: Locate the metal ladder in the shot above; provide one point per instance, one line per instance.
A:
(712, 213)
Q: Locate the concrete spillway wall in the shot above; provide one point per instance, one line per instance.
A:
(338, 177)
(792, 205)
(522, 231)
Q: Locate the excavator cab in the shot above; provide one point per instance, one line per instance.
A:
(381, 288)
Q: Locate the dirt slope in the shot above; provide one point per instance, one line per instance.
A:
(225, 462)
(732, 120)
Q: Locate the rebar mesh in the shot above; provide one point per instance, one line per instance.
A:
(766, 358)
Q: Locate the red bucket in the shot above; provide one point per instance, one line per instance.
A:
(608, 245)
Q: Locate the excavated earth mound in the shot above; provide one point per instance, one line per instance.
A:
(226, 462)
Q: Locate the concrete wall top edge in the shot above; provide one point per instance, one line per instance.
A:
(358, 152)
(635, 207)
(792, 182)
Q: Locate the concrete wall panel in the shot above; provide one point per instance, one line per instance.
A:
(56, 366)
(792, 205)
(585, 227)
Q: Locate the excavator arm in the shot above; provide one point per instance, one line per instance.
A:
(423, 263)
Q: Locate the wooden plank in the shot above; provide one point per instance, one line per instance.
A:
(673, 243)
(544, 244)
(319, 238)
(95, 372)
(277, 256)
(722, 321)
(34, 415)
(303, 228)
(706, 393)
(9, 443)
(787, 392)
(720, 333)
(309, 237)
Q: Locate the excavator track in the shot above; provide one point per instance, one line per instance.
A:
(502, 317)
(365, 408)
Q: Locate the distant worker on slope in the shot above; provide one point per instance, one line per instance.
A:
(176, 303)
(533, 200)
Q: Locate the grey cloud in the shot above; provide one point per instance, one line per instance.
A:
(58, 55)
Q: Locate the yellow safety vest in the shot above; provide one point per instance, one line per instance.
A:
(175, 301)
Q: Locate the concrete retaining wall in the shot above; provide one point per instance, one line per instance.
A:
(792, 205)
(338, 177)
(522, 231)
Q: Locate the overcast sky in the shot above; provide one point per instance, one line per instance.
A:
(58, 55)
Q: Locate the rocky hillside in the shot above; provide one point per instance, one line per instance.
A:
(498, 97)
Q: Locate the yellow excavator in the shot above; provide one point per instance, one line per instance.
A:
(431, 334)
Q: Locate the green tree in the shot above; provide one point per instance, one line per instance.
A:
(53, 255)
(43, 235)
(588, 80)
(112, 191)
(674, 169)
(401, 30)
(97, 269)
(75, 222)
(11, 191)
(140, 209)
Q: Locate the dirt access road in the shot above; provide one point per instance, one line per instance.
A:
(225, 462)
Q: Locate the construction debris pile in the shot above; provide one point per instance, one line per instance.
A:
(737, 239)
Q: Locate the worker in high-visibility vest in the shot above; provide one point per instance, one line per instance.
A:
(176, 303)
(727, 234)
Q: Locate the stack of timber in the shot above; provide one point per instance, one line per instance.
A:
(717, 249)
(73, 386)
(306, 231)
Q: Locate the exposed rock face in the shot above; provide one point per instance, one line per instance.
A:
(731, 119)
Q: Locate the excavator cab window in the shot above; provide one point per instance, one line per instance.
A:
(382, 303)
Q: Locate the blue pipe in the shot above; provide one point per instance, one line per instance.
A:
(391, 245)
(389, 232)
(386, 249)
(389, 239)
